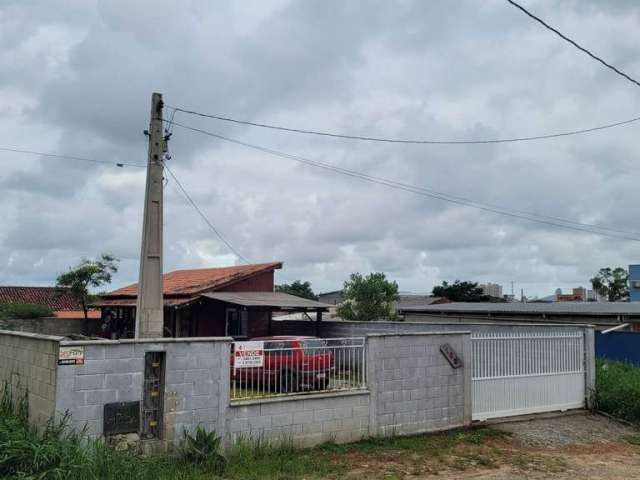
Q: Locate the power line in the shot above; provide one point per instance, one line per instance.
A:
(567, 224)
(121, 164)
(72, 157)
(575, 44)
(407, 141)
(204, 217)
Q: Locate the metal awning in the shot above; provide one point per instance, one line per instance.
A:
(275, 300)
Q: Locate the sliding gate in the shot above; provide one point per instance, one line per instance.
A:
(522, 372)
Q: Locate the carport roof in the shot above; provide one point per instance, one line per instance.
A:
(266, 299)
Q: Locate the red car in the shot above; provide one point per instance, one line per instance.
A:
(288, 364)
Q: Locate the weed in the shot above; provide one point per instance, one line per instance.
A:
(618, 389)
(202, 449)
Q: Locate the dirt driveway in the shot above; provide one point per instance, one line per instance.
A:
(572, 446)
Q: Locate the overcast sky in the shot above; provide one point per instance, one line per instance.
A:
(76, 78)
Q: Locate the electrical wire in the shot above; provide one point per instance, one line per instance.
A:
(567, 224)
(121, 164)
(407, 141)
(574, 43)
(204, 217)
(72, 157)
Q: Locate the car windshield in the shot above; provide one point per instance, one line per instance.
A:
(313, 346)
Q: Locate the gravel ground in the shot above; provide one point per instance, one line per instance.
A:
(566, 430)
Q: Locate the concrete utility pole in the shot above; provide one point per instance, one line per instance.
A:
(149, 306)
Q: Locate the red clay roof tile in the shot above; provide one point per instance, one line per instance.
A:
(49, 296)
(193, 281)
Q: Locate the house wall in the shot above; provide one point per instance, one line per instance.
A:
(262, 282)
(196, 382)
(47, 325)
(29, 361)
(415, 388)
(307, 420)
(410, 388)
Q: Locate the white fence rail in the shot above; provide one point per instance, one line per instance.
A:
(516, 373)
(292, 366)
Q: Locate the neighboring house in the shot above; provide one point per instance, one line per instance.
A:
(60, 301)
(408, 300)
(236, 301)
(335, 297)
(600, 314)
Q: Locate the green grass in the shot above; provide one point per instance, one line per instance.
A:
(435, 442)
(56, 452)
(618, 389)
(253, 460)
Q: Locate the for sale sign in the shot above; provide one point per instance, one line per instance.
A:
(249, 354)
(71, 356)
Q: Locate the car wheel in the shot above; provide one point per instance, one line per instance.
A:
(289, 382)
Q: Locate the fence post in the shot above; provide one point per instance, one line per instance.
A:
(590, 365)
(373, 346)
(467, 357)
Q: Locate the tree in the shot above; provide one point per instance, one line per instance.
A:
(460, 292)
(298, 288)
(368, 298)
(87, 274)
(612, 283)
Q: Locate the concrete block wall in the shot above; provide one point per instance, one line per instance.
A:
(29, 361)
(307, 421)
(195, 372)
(47, 325)
(414, 389)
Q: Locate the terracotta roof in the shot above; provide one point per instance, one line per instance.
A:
(49, 296)
(131, 301)
(194, 281)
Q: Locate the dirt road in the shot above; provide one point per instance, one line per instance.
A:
(576, 447)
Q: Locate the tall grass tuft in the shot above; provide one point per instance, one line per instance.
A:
(56, 452)
(618, 389)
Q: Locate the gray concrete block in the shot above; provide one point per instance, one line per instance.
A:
(118, 380)
(100, 397)
(89, 382)
(282, 420)
(303, 417)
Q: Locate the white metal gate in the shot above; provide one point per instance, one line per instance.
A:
(517, 373)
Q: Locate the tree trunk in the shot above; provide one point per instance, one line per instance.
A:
(85, 322)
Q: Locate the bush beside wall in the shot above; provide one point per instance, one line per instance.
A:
(618, 389)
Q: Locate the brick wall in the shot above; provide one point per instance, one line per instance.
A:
(195, 372)
(308, 421)
(414, 388)
(29, 360)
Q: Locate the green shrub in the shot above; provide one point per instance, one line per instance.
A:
(618, 389)
(202, 449)
(24, 310)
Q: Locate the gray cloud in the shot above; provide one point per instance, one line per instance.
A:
(76, 78)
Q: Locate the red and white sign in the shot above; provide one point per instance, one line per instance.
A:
(248, 354)
(71, 356)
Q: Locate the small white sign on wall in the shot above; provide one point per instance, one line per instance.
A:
(71, 356)
(249, 354)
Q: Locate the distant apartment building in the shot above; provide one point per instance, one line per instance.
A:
(579, 294)
(491, 289)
